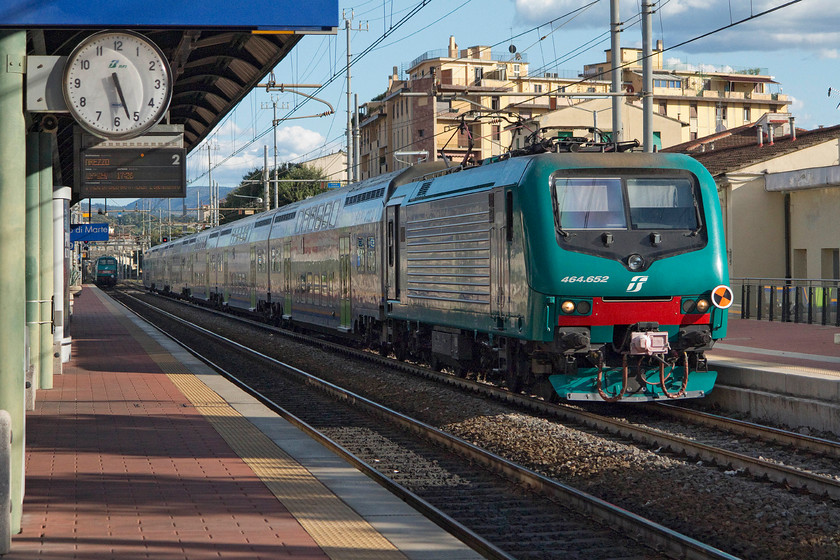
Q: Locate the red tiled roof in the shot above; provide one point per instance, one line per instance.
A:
(737, 148)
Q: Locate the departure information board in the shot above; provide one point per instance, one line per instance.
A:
(133, 173)
(153, 165)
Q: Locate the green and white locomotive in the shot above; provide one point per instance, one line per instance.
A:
(584, 276)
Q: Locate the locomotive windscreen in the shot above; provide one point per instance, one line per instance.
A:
(609, 203)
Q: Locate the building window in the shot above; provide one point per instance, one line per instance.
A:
(479, 73)
(495, 103)
(747, 115)
(420, 132)
(516, 70)
(537, 88)
(666, 83)
(830, 264)
(663, 107)
(496, 132)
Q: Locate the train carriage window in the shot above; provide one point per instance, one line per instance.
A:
(371, 260)
(275, 260)
(318, 217)
(334, 219)
(261, 264)
(327, 214)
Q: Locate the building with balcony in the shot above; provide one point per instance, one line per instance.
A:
(709, 99)
(476, 103)
(457, 103)
(779, 191)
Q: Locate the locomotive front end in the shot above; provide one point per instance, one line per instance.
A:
(633, 273)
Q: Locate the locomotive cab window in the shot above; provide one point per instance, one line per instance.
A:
(661, 204)
(637, 203)
(583, 203)
(654, 213)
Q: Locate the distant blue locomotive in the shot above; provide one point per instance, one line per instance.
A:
(586, 276)
(105, 271)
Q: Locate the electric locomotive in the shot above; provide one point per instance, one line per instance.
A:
(583, 276)
(105, 271)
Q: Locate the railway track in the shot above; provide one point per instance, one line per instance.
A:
(477, 494)
(766, 458)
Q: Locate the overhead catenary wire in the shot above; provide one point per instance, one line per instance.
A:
(375, 44)
(356, 58)
(369, 49)
(676, 46)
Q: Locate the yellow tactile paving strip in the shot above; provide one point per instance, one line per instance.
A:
(341, 532)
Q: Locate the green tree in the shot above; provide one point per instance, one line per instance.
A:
(308, 181)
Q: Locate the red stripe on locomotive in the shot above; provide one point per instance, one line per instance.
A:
(629, 312)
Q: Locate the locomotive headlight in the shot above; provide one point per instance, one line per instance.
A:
(635, 261)
(568, 307)
(702, 305)
(687, 305)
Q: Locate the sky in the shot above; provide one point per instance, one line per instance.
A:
(797, 44)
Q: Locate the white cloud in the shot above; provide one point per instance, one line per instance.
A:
(807, 25)
(293, 142)
(296, 141)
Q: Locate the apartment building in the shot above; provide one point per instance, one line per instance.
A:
(458, 103)
(475, 103)
(710, 99)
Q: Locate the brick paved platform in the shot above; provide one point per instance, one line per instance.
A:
(126, 460)
(784, 344)
(788, 373)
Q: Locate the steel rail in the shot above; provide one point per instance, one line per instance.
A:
(641, 529)
(804, 442)
(782, 474)
(471, 539)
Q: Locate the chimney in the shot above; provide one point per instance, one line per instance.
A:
(760, 134)
(770, 132)
(792, 129)
(453, 47)
(395, 74)
(659, 45)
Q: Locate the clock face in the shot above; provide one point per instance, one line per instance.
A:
(117, 84)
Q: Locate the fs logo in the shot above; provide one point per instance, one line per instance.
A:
(636, 283)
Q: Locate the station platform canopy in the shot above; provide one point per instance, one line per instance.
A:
(216, 58)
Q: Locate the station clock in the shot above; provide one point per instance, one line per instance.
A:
(117, 84)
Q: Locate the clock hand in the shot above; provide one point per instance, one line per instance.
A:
(120, 93)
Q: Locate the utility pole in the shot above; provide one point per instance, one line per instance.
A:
(357, 170)
(647, 75)
(265, 178)
(351, 162)
(615, 47)
(272, 85)
(274, 123)
(349, 128)
(214, 201)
